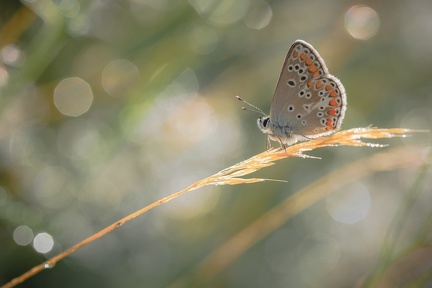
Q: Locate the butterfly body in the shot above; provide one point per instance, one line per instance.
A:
(308, 101)
(286, 135)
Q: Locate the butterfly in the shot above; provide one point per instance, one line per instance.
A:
(308, 101)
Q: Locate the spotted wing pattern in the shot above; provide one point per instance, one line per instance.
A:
(308, 101)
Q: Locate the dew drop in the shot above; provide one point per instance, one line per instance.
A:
(48, 265)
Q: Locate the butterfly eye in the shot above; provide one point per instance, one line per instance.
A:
(265, 121)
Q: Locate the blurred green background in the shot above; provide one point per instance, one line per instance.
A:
(107, 106)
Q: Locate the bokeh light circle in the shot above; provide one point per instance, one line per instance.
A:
(259, 15)
(350, 206)
(43, 243)
(23, 235)
(73, 96)
(362, 22)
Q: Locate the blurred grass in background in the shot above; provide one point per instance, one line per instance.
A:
(107, 106)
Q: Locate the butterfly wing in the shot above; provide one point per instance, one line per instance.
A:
(308, 100)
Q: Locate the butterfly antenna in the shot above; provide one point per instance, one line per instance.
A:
(255, 109)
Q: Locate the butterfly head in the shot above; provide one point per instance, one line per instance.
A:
(264, 124)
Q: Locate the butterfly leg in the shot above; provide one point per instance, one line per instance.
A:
(282, 144)
(268, 144)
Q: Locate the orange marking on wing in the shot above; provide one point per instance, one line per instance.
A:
(331, 112)
(316, 74)
(328, 128)
(308, 61)
(312, 68)
(295, 54)
(310, 84)
(329, 87)
(333, 93)
(333, 103)
(302, 56)
(330, 122)
(319, 84)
